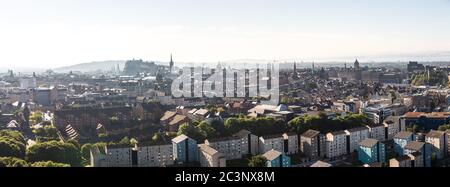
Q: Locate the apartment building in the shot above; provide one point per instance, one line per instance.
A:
(267, 143)
(237, 146)
(438, 141)
(354, 136)
(126, 156)
(313, 144)
(155, 155)
(277, 159)
(185, 149)
(291, 143)
(377, 132)
(98, 159)
(371, 151)
(209, 157)
(420, 147)
(400, 141)
(393, 125)
(403, 161)
(336, 144)
(119, 156)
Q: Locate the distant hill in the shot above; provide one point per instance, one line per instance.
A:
(92, 66)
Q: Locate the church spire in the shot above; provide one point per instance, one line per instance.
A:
(171, 63)
(295, 66)
(356, 66)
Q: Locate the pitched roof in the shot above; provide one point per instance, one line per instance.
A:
(435, 134)
(310, 134)
(208, 150)
(416, 146)
(242, 133)
(403, 135)
(13, 124)
(192, 111)
(368, 142)
(272, 154)
(201, 112)
(168, 115)
(338, 133)
(321, 164)
(177, 119)
(180, 138)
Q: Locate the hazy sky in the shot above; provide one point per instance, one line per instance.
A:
(53, 33)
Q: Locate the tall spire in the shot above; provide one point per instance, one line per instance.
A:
(295, 66)
(171, 63)
(356, 65)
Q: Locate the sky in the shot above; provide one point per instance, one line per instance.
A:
(55, 33)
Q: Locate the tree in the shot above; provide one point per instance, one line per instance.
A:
(75, 143)
(36, 117)
(207, 130)
(60, 152)
(232, 125)
(47, 133)
(12, 144)
(12, 162)
(133, 142)
(125, 141)
(11, 148)
(86, 151)
(257, 161)
(17, 136)
(191, 131)
(49, 164)
(444, 128)
(158, 137)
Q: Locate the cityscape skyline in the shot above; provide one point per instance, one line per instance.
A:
(61, 33)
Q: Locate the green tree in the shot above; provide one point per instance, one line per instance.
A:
(257, 161)
(12, 144)
(444, 128)
(207, 130)
(191, 131)
(36, 117)
(54, 151)
(133, 142)
(158, 137)
(232, 125)
(12, 162)
(49, 164)
(17, 136)
(75, 143)
(125, 141)
(86, 151)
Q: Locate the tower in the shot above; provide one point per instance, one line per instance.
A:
(356, 66)
(313, 67)
(171, 63)
(295, 66)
